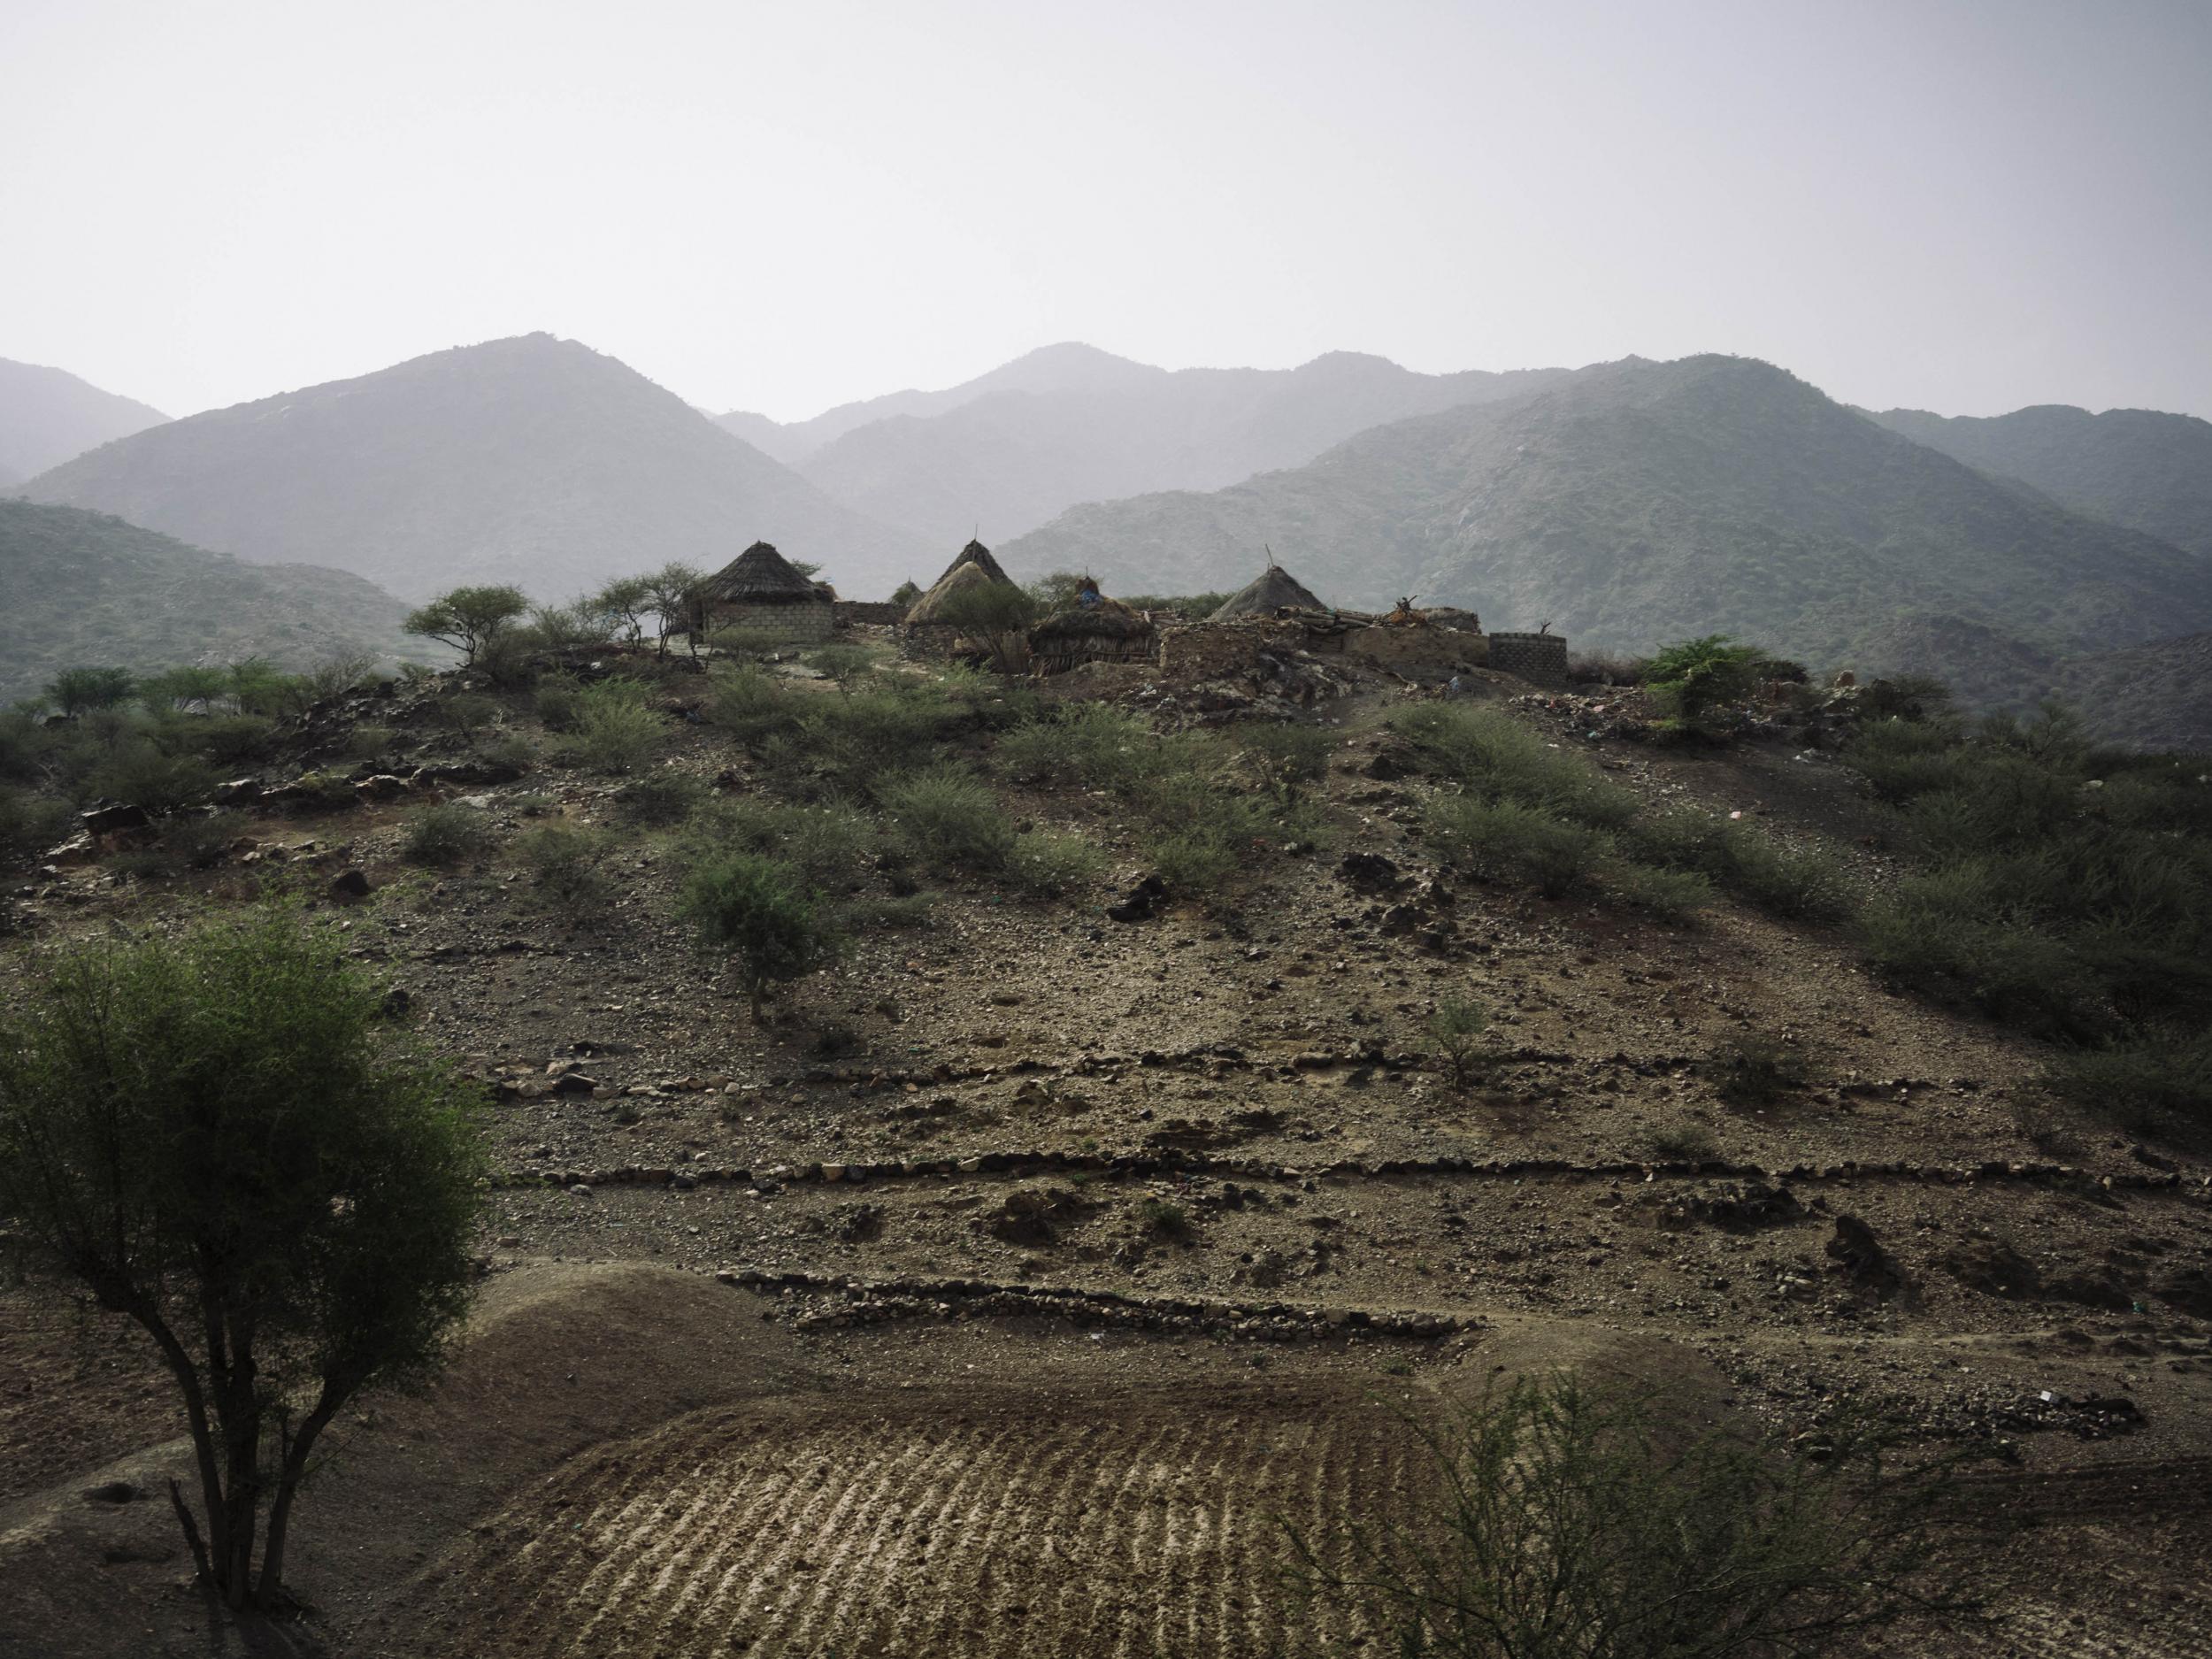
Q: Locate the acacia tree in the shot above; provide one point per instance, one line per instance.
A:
(218, 1139)
(668, 595)
(79, 690)
(468, 618)
(624, 603)
(756, 911)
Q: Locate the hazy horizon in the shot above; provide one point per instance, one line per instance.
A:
(1964, 208)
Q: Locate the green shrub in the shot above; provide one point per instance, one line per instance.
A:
(1553, 1522)
(1047, 865)
(662, 796)
(1754, 1069)
(615, 732)
(227, 740)
(749, 702)
(1459, 1028)
(1698, 675)
(951, 819)
(1163, 1219)
(1289, 759)
(1683, 1143)
(1672, 894)
(843, 664)
(138, 771)
(829, 845)
(1510, 839)
(190, 841)
(2154, 1085)
(369, 742)
(1806, 884)
(444, 834)
(755, 910)
(1192, 863)
(467, 711)
(558, 702)
(1494, 756)
(30, 823)
(566, 866)
(860, 740)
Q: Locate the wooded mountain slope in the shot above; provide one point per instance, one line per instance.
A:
(84, 588)
(533, 460)
(48, 415)
(2149, 471)
(1641, 502)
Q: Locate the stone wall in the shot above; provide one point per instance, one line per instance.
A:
(1206, 650)
(874, 612)
(1419, 647)
(1539, 658)
(806, 624)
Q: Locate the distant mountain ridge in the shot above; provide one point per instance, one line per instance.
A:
(87, 588)
(48, 415)
(1639, 503)
(530, 460)
(2139, 467)
(1005, 452)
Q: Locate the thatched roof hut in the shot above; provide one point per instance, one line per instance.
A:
(1093, 628)
(760, 576)
(759, 590)
(1273, 590)
(973, 566)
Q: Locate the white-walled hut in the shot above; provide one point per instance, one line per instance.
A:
(760, 591)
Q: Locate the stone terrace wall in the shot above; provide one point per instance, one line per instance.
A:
(1539, 658)
(875, 612)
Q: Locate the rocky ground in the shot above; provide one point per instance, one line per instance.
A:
(1028, 1193)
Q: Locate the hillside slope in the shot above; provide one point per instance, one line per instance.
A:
(533, 460)
(1069, 367)
(48, 415)
(2138, 467)
(1008, 462)
(2157, 696)
(87, 588)
(1644, 502)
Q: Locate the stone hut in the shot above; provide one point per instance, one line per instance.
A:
(759, 591)
(1096, 629)
(1540, 658)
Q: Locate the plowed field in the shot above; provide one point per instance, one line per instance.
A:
(979, 1524)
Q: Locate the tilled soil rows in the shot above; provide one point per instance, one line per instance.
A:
(924, 1523)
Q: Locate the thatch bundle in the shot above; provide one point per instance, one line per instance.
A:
(760, 576)
(1102, 618)
(974, 568)
(1274, 589)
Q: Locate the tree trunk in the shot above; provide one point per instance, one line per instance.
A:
(289, 1477)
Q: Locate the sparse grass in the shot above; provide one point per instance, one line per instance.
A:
(1683, 1143)
(1669, 893)
(1514, 838)
(1806, 884)
(1495, 757)
(567, 867)
(1046, 864)
(445, 835)
(660, 797)
(1754, 1069)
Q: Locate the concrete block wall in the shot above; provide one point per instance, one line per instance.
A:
(1539, 658)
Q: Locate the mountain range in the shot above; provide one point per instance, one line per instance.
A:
(1005, 452)
(1638, 503)
(87, 588)
(2149, 471)
(531, 460)
(48, 415)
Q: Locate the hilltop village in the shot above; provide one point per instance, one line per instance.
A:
(929, 1050)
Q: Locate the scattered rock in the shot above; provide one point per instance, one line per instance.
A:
(1369, 872)
(350, 885)
(1860, 1254)
(1143, 900)
(110, 816)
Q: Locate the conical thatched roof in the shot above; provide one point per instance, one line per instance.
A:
(760, 576)
(1274, 589)
(974, 564)
(959, 579)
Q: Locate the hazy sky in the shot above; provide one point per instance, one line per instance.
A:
(781, 206)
